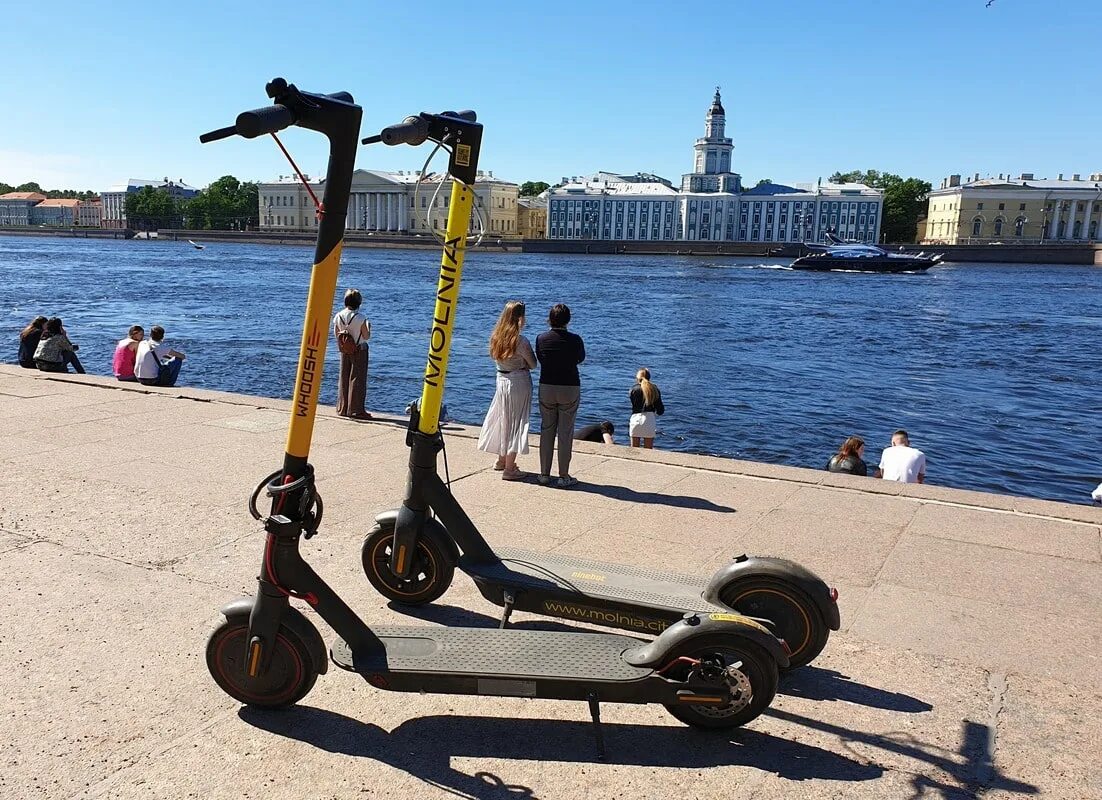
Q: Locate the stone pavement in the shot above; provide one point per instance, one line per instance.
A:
(970, 663)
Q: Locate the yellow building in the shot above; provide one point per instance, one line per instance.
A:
(532, 217)
(495, 202)
(393, 203)
(1024, 210)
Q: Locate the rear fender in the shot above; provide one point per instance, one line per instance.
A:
(744, 567)
(294, 620)
(679, 638)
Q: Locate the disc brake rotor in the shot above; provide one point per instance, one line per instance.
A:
(741, 691)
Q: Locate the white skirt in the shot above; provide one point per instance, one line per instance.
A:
(643, 425)
(506, 427)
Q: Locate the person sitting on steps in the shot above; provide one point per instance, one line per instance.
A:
(155, 363)
(55, 351)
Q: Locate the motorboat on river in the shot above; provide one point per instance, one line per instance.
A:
(859, 257)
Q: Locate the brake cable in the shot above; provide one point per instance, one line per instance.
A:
(477, 240)
(319, 207)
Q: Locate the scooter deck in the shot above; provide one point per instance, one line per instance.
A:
(548, 573)
(592, 658)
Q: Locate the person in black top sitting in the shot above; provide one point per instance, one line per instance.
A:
(848, 458)
(28, 342)
(559, 352)
(599, 432)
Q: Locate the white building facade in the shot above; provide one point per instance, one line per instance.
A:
(391, 203)
(712, 205)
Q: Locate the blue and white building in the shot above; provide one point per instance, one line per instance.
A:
(712, 204)
(114, 199)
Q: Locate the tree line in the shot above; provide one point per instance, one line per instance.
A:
(51, 194)
(227, 204)
(904, 201)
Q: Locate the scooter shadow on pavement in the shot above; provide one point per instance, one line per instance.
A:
(972, 765)
(818, 683)
(629, 495)
(425, 746)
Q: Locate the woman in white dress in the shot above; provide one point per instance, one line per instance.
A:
(505, 431)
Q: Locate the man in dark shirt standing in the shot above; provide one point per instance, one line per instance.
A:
(559, 352)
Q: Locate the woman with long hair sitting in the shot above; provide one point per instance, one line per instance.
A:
(505, 431)
(848, 458)
(29, 338)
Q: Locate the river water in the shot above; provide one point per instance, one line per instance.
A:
(993, 369)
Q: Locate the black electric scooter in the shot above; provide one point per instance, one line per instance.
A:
(710, 670)
(410, 557)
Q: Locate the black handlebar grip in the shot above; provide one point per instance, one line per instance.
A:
(260, 121)
(221, 133)
(411, 130)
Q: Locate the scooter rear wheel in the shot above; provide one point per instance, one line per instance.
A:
(753, 682)
(430, 574)
(287, 680)
(794, 616)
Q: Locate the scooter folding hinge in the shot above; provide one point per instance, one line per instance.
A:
(598, 733)
(510, 599)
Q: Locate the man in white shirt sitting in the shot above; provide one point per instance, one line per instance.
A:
(155, 363)
(901, 462)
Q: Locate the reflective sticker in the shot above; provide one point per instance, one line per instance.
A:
(727, 617)
(739, 618)
(463, 155)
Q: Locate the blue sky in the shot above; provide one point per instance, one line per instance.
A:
(96, 93)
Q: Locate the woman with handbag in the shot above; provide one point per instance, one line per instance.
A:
(352, 331)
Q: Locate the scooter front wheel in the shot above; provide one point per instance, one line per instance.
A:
(289, 677)
(793, 616)
(751, 678)
(430, 574)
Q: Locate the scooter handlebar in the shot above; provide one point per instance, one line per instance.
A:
(415, 130)
(221, 133)
(260, 121)
(467, 115)
(411, 130)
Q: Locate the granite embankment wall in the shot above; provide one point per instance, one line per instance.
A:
(1081, 254)
(69, 233)
(1020, 254)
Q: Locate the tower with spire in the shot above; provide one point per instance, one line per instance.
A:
(712, 156)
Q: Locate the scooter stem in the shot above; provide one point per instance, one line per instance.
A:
(447, 297)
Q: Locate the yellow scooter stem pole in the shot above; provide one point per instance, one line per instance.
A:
(447, 298)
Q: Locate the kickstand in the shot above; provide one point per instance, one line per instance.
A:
(595, 711)
(510, 598)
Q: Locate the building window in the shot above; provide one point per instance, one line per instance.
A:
(999, 226)
(1002, 206)
(1021, 207)
(979, 206)
(1019, 224)
(977, 226)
